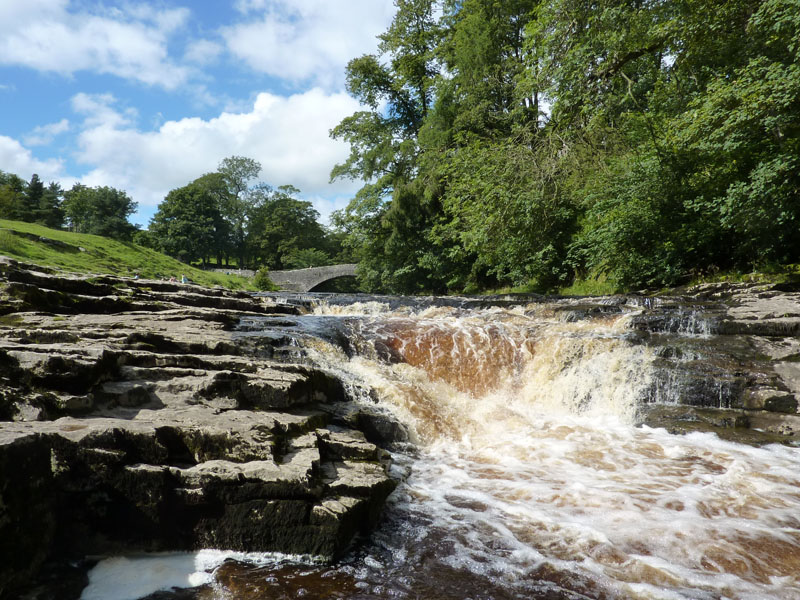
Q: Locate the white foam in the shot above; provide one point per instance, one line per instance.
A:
(544, 466)
(137, 576)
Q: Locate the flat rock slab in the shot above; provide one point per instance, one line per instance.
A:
(134, 418)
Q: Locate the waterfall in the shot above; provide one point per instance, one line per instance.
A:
(530, 466)
(528, 475)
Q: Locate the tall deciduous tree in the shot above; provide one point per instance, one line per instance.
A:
(236, 206)
(188, 223)
(285, 231)
(12, 195)
(515, 141)
(397, 85)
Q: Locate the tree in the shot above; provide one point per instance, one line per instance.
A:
(34, 194)
(302, 258)
(397, 85)
(188, 224)
(284, 229)
(49, 212)
(12, 195)
(77, 207)
(99, 211)
(237, 204)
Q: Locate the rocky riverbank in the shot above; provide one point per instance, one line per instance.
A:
(134, 417)
(141, 415)
(729, 359)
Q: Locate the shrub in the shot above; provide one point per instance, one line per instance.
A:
(262, 281)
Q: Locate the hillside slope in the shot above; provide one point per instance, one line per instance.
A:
(83, 253)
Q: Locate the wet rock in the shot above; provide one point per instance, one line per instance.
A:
(747, 427)
(726, 346)
(770, 399)
(28, 519)
(134, 417)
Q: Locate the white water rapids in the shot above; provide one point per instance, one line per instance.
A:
(530, 461)
(529, 475)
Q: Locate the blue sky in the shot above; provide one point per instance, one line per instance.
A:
(147, 96)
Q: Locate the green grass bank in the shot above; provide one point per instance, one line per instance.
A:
(84, 253)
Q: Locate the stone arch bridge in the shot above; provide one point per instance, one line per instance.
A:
(305, 280)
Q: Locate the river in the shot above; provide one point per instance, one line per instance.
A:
(526, 474)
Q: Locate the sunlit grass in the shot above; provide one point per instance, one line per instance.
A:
(589, 287)
(83, 253)
(767, 273)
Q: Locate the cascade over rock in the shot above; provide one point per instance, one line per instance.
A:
(153, 416)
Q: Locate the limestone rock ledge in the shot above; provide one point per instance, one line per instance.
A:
(134, 417)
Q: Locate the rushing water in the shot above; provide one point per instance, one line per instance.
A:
(527, 477)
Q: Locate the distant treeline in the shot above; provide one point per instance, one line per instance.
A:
(221, 215)
(99, 210)
(535, 142)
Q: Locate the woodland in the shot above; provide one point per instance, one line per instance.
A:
(540, 143)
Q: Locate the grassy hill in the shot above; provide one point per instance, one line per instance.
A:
(83, 253)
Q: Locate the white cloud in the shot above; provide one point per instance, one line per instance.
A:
(307, 40)
(202, 51)
(44, 134)
(287, 135)
(130, 42)
(246, 6)
(17, 159)
(100, 111)
(325, 205)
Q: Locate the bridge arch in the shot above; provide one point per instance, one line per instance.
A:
(304, 280)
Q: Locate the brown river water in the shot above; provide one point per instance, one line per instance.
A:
(527, 476)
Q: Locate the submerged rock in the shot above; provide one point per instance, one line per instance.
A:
(134, 418)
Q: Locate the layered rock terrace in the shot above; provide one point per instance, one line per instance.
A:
(134, 417)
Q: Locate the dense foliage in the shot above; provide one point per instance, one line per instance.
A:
(98, 210)
(225, 215)
(30, 201)
(535, 142)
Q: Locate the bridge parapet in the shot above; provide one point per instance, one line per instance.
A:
(304, 280)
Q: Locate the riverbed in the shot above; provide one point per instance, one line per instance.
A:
(527, 472)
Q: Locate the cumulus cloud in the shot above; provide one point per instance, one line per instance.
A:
(287, 135)
(129, 42)
(203, 51)
(17, 159)
(306, 40)
(100, 111)
(44, 134)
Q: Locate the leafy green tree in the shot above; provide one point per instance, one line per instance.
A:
(99, 211)
(12, 196)
(188, 224)
(486, 54)
(739, 145)
(77, 207)
(527, 142)
(398, 86)
(282, 225)
(302, 258)
(263, 282)
(237, 205)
